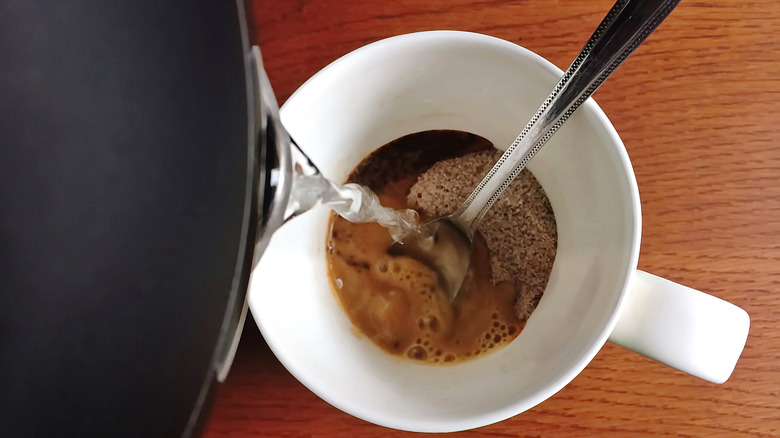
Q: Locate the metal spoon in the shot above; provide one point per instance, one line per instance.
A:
(445, 243)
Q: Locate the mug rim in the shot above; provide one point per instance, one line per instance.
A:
(575, 367)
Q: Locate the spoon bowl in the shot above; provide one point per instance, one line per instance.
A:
(442, 245)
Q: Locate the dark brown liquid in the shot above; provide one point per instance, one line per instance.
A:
(397, 301)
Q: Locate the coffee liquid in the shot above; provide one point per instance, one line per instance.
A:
(397, 301)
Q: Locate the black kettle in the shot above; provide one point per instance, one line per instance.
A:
(143, 168)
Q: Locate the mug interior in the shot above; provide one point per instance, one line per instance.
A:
(489, 87)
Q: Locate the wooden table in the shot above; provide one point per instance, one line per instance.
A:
(696, 106)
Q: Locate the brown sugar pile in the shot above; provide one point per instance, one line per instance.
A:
(519, 229)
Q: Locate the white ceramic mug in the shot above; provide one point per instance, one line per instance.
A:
(490, 87)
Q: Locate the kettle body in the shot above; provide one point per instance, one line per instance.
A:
(140, 174)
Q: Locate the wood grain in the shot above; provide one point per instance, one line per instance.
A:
(696, 107)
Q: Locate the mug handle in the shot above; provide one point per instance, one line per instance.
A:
(681, 327)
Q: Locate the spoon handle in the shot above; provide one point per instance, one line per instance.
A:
(624, 28)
